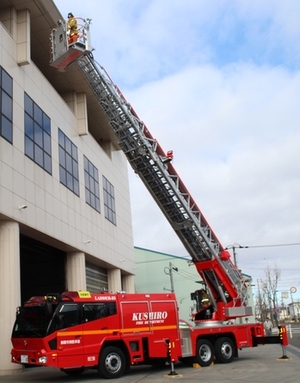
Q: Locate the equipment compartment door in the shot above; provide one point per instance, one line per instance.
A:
(135, 317)
(165, 329)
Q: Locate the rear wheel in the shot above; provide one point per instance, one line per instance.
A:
(225, 350)
(112, 363)
(205, 352)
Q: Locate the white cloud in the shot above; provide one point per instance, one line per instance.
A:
(236, 146)
(219, 83)
(140, 41)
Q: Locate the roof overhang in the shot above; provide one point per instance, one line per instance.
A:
(44, 16)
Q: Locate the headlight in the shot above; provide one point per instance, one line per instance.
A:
(43, 359)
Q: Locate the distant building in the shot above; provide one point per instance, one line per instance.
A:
(294, 310)
(153, 275)
(157, 272)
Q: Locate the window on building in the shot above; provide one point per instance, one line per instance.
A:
(37, 135)
(6, 105)
(68, 163)
(109, 201)
(91, 179)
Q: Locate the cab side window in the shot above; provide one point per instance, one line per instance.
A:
(68, 316)
(98, 310)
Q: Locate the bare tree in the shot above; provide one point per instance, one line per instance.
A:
(261, 303)
(269, 290)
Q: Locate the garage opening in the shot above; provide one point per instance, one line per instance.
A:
(42, 268)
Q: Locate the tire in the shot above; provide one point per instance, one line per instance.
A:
(205, 353)
(112, 363)
(225, 350)
(73, 371)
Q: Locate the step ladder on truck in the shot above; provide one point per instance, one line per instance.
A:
(150, 334)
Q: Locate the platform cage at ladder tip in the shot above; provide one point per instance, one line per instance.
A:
(69, 40)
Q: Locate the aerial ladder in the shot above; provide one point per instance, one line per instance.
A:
(226, 285)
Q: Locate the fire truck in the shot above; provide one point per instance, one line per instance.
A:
(77, 330)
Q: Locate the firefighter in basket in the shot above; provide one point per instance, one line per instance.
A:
(72, 31)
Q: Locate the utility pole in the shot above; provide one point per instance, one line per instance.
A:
(169, 271)
(234, 256)
(234, 247)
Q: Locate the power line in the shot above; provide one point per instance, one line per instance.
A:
(152, 261)
(278, 245)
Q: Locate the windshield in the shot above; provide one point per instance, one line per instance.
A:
(40, 320)
(31, 322)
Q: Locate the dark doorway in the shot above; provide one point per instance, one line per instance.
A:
(42, 268)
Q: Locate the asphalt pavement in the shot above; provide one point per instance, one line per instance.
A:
(294, 338)
(268, 363)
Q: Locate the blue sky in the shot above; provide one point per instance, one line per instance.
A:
(218, 82)
(159, 37)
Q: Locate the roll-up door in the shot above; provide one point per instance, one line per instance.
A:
(96, 278)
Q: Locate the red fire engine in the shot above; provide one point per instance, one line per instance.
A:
(78, 330)
(109, 332)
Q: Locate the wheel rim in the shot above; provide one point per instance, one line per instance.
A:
(226, 350)
(113, 363)
(205, 353)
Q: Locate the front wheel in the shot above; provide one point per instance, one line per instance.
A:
(112, 363)
(205, 352)
(225, 350)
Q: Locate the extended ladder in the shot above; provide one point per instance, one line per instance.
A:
(155, 169)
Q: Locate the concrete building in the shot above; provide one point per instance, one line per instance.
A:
(294, 311)
(65, 220)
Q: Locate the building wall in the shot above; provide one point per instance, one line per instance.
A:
(52, 208)
(54, 215)
(153, 276)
